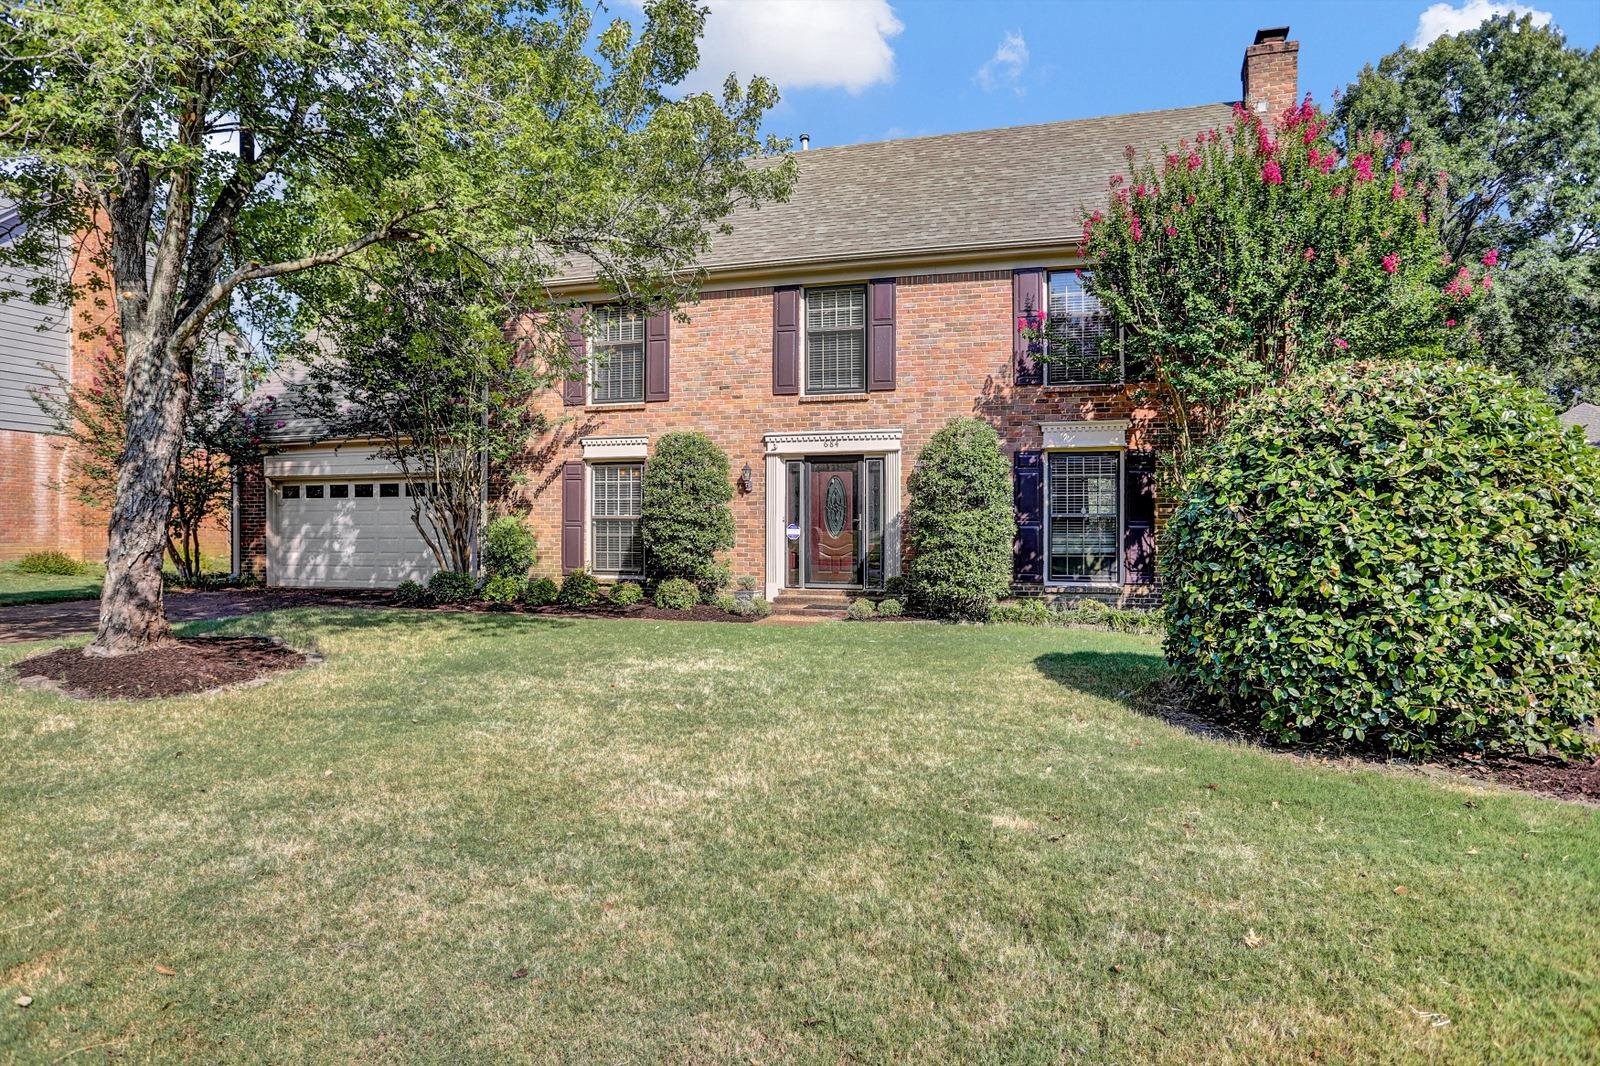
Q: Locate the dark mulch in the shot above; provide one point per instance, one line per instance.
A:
(174, 668)
(1572, 780)
(701, 613)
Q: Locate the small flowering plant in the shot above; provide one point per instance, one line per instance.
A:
(1265, 246)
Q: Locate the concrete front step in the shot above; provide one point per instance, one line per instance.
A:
(811, 604)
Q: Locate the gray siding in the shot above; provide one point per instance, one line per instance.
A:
(27, 352)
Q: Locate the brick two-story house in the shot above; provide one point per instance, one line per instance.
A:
(833, 335)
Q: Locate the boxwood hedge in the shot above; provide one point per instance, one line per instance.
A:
(1403, 556)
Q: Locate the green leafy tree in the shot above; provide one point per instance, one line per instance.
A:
(1510, 116)
(413, 354)
(685, 519)
(1395, 555)
(960, 523)
(222, 434)
(1263, 248)
(231, 145)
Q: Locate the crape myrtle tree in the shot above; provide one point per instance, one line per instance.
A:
(223, 432)
(231, 145)
(1510, 115)
(1264, 247)
(413, 352)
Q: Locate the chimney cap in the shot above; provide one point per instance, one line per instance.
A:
(805, 142)
(1271, 35)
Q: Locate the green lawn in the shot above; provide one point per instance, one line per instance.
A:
(17, 587)
(725, 843)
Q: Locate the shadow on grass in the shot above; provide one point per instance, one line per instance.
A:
(467, 622)
(1109, 675)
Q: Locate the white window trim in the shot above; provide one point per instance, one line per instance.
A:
(1044, 369)
(614, 449)
(589, 367)
(1109, 435)
(866, 339)
(588, 517)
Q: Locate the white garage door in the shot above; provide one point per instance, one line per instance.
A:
(344, 534)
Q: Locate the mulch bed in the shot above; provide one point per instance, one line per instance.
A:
(701, 613)
(174, 668)
(1572, 780)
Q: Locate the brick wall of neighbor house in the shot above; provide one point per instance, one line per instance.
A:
(37, 510)
(253, 522)
(953, 354)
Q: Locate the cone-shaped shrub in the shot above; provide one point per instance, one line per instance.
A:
(686, 520)
(1403, 556)
(960, 523)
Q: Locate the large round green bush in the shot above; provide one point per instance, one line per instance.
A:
(1403, 556)
(686, 519)
(509, 549)
(960, 524)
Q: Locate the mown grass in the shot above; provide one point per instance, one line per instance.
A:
(726, 843)
(17, 587)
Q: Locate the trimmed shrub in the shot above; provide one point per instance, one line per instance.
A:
(860, 609)
(1403, 556)
(541, 592)
(746, 583)
(754, 607)
(626, 594)
(960, 523)
(1079, 612)
(50, 562)
(451, 587)
(686, 520)
(890, 609)
(579, 589)
(410, 594)
(509, 549)
(504, 590)
(677, 594)
(714, 584)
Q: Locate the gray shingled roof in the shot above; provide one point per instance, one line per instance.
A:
(990, 189)
(1586, 415)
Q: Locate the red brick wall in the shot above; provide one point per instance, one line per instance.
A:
(34, 513)
(953, 358)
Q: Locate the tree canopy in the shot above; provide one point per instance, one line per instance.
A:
(230, 145)
(1509, 117)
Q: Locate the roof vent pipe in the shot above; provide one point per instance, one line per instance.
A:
(805, 142)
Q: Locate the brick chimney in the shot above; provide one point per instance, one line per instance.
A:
(1271, 73)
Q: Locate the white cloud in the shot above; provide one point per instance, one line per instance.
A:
(1442, 20)
(1003, 70)
(799, 44)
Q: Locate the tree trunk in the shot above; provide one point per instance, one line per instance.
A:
(157, 391)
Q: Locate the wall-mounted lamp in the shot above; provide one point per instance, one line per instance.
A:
(747, 479)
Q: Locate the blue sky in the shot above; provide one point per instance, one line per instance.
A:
(864, 70)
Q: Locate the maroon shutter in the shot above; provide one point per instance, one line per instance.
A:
(786, 340)
(573, 388)
(657, 357)
(1139, 526)
(1027, 296)
(1027, 488)
(880, 335)
(572, 516)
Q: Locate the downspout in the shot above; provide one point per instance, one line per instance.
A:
(233, 528)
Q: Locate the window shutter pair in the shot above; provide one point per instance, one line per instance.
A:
(786, 357)
(657, 359)
(1027, 298)
(1139, 517)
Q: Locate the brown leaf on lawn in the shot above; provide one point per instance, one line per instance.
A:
(519, 973)
(1400, 890)
(1116, 967)
(166, 971)
(1213, 786)
(1252, 939)
(23, 1001)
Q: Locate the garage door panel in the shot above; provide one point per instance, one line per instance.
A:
(345, 542)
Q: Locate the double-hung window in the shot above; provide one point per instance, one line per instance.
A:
(1081, 345)
(836, 340)
(618, 375)
(1085, 515)
(617, 495)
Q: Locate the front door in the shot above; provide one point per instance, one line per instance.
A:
(833, 541)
